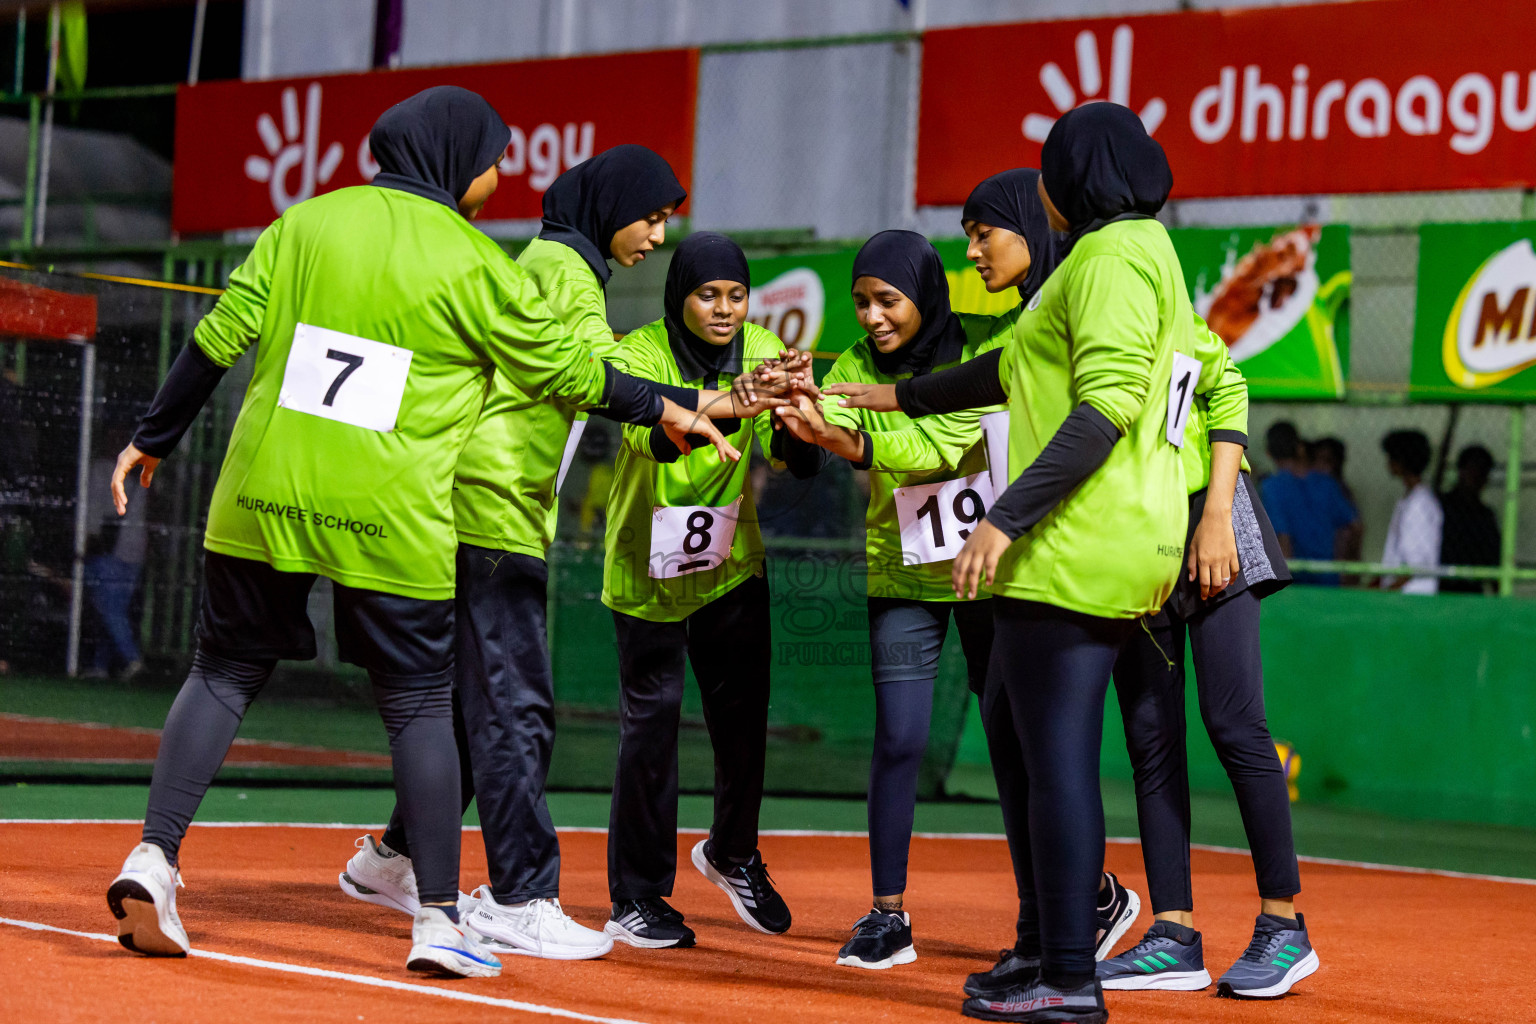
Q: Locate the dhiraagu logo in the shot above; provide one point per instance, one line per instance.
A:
(1491, 333)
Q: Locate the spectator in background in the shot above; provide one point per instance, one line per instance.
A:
(1312, 517)
(1327, 456)
(596, 450)
(1413, 537)
(1470, 535)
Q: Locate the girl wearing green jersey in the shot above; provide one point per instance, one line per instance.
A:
(1090, 535)
(684, 576)
(928, 487)
(380, 313)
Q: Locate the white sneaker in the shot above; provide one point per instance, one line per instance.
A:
(438, 946)
(143, 899)
(537, 928)
(378, 875)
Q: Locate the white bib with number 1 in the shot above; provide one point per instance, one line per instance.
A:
(344, 378)
(937, 518)
(1181, 395)
(687, 539)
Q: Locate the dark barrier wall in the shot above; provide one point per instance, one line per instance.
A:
(1422, 707)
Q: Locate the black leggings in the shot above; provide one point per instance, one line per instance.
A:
(206, 715)
(504, 720)
(1054, 665)
(906, 638)
(1229, 677)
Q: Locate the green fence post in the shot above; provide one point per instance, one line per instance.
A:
(1512, 470)
(29, 193)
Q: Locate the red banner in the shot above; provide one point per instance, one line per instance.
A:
(1377, 96)
(246, 151)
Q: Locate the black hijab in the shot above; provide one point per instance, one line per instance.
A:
(907, 261)
(589, 202)
(436, 143)
(1010, 200)
(702, 257)
(1100, 165)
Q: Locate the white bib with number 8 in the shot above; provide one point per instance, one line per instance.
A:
(344, 378)
(937, 518)
(1181, 395)
(689, 539)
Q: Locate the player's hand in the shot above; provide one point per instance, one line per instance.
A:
(977, 561)
(855, 395)
(804, 420)
(126, 460)
(678, 423)
(1213, 554)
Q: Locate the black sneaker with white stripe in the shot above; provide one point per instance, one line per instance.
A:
(1011, 970)
(880, 940)
(650, 924)
(1118, 907)
(749, 887)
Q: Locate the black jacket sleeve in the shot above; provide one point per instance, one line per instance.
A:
(181, 397)
(1079, 446)
(971, 385)
(629, 399)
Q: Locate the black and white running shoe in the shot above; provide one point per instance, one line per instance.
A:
(1012, 970)
(1039, 1001)
(1118, 907)
(650, 924)
(880, 940)
(749, 887)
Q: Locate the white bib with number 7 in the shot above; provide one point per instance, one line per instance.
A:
(344, 378)
(688, 539)
(937, 518)
(1181, 395)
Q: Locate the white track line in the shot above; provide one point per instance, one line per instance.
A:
(1364, 865)
(357, 979)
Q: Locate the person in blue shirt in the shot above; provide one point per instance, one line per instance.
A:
(1310, 513)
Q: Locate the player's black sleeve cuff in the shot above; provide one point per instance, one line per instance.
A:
(628, 399)
(802, 458)
(1230, 436)
(868, 458)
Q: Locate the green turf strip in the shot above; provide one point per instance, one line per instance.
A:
(1320, 832)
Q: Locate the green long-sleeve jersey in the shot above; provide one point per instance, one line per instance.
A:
(910, 462)
(1112, 327)
(504, 494)
(380, 317)
(682, 533)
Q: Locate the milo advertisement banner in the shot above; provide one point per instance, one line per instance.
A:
(1275, 295)
(1474, 335)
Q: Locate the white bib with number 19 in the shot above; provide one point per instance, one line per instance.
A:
(937, 518)
(688, 539)
(344, 378)
(1181, 395)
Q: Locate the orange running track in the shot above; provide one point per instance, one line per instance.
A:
(1396, 946)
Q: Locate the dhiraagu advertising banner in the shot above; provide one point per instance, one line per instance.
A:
(1474, 335)
(1276, 296)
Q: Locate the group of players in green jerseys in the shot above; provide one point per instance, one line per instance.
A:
(415, 402)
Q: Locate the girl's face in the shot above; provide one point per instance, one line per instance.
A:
(886, 314)
(715, 310)
(631, 242)
(1001, 256)
(1057, 221)
(478, 192)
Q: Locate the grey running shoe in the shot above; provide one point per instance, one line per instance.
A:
(1011, 970)
(1037, 1001)
(1278, 957)
(1158, 961)
(1118, 908)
